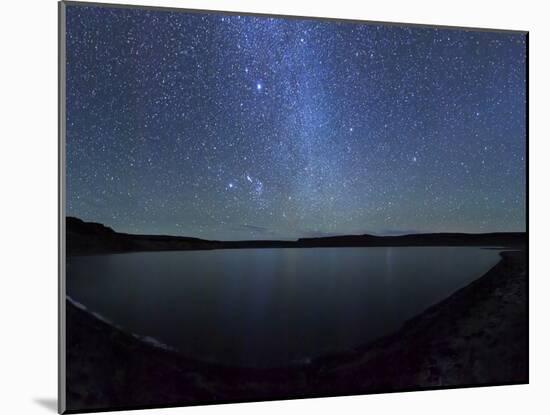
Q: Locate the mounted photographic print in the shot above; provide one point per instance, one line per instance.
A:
(258, 207)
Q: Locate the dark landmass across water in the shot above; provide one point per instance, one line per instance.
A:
(477, 336)
(85, 238)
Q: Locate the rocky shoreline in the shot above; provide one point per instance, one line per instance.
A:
(477, 336)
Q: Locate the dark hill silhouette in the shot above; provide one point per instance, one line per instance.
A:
(423, 239)
(90, 237)
(94, 238)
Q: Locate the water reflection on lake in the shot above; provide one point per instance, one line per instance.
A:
(269, 307)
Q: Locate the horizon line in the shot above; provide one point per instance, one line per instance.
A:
(377, 235)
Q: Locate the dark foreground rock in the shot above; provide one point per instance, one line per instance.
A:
(478, 336)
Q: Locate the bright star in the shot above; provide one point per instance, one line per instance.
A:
(259, 86)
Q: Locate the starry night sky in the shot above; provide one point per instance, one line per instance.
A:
(242, 127)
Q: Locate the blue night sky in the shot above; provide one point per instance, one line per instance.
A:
(242, 127)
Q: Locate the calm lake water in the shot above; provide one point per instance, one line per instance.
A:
(269, 307)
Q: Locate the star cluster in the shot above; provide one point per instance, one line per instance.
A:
(244, 127)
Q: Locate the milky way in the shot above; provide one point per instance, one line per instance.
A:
(247, 127)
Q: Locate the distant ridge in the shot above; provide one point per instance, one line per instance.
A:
(94, 238)
(421, 239)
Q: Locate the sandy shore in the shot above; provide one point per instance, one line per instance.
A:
(477, 336)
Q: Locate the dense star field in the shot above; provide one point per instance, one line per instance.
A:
(242, 127)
